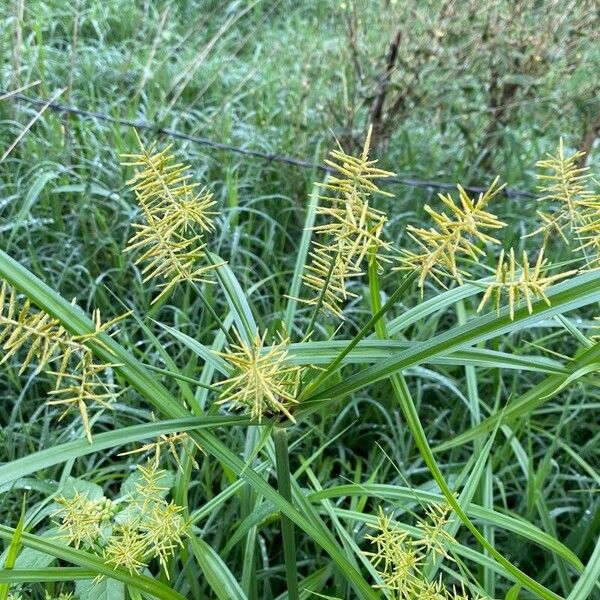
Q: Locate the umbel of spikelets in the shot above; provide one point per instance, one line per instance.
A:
(399, 558)
(261, 381)
(84, 387)
(519, 282)
(176, 216)
(39, 340)
(129, 533)
(565, 184)
(23, 328)
(351, 229)
(575, 206)
(456, 234)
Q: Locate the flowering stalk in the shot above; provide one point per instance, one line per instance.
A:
(287, 526)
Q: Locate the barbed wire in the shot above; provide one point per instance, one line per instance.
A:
(280, 158)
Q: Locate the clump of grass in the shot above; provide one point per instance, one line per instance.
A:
(279, 387)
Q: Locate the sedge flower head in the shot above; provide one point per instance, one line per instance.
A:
(84, 387)
(518, 282)
(43, 341)
(564, 183)
(455, 234)
(351, 231)
(435, 535)
(396, 560)
(164, 529)
(574, 206)
(81, 519)
(261, 381)
(22, 327)
(127, 549)
(175, 218)
(151, 484)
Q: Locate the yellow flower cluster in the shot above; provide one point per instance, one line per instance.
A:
(176, 216)
(454, 235)
(399, 558)
(576, 207)
(152, 527)
(261, 380)
(520, 281)
(80, 381)
(353, 229)
(170, 442)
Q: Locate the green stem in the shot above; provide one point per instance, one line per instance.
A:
(282, 460)
(213, 314)
(315, 314)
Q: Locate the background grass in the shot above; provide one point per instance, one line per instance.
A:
(481, 90)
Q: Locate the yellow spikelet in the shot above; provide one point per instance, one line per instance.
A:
(399, 558)
(22, 327)
(170, 442)
(175, 218)
(127, 549)
(82, 388)
(327, 276)
(81, 519)
(576, 207)
(164, 528)
(435, 536)
(565, 184)
(588, 231)
(396, 561)
(520, 282)
(44, 342)
(454, 236)
(163, 186)
(352, 229)
(261, 381)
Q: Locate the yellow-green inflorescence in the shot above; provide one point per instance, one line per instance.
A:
(261, 381)
(131, 531)
(81, 381)
(400, 558)
(176, 216)
(351, 229)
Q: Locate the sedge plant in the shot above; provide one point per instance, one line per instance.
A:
(221, 432)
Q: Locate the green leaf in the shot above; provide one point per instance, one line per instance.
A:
(43, 459)
(574, 293)
(157, 395)
(589, 578)
(513, 592)
(301, 256)
(206, 354)
(105, 589)
(217, 574)
(36, 188)
(236, 299)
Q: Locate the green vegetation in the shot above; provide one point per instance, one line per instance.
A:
(246, 379)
